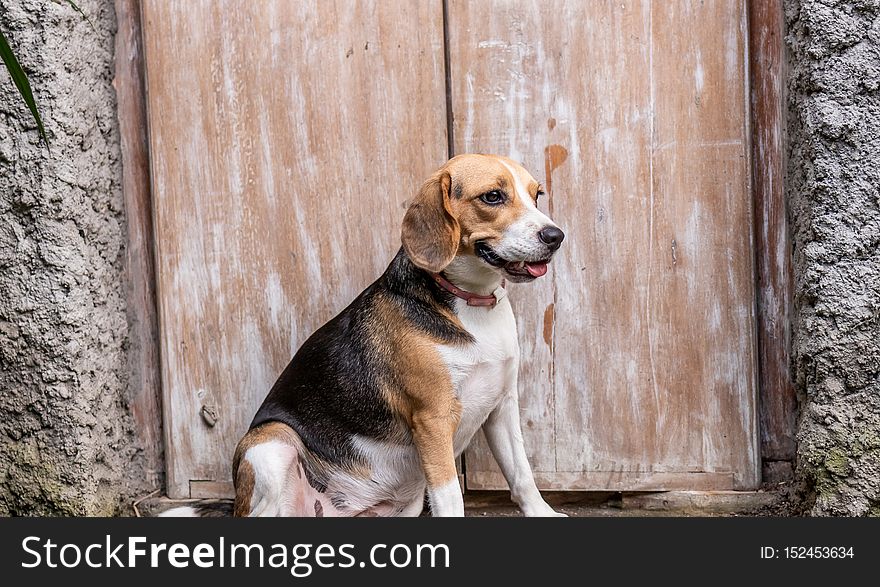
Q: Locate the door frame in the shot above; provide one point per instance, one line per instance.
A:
(777, 400)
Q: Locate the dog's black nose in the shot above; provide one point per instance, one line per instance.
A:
(552, 237)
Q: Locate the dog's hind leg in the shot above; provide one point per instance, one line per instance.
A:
(270, 477)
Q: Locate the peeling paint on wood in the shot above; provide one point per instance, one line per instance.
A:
(554, 156)
(549, 316)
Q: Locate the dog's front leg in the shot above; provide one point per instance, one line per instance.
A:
(504, 434)
(433, 435)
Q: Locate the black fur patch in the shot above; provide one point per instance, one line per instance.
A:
(331, 389)
(339, 501)
(313, 480)
(218, 509)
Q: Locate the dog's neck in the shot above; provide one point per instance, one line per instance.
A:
(472, 274)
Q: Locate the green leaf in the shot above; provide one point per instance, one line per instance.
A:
(83, 14)
(21, 82)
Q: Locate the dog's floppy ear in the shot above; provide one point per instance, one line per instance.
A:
(430, 233)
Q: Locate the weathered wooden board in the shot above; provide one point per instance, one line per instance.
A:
(497, 68)
(772, 247)
(139, 263)
(286, 138)
(639, 355)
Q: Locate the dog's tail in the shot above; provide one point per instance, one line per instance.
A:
(210, 509)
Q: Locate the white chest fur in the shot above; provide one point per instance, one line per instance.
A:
(484, 370)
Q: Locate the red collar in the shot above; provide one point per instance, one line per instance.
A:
(471, 298)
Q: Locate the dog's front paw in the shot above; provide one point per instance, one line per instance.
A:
(551, 513)
(542, 510)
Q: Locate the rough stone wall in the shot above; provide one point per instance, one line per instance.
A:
(834, 207)
(66, 445)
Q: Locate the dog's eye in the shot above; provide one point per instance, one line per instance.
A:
(493, 198)
(538, 194)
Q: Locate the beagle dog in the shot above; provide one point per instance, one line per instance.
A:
(376, 405)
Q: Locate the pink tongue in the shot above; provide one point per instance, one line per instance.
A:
(536, 269)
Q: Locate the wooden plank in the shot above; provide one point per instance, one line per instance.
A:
(211, 490)
(602, 423)
(641, 133)
(495, 104)
(701, 269)
(699, 502)
(778, 405)
(286, 139)
(592, 503)
(143, 351)
(609, 481)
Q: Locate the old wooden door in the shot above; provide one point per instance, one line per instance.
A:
(286, 138)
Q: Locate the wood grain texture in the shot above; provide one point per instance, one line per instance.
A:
(778, 402)
(286, 138)
(143, 352)
(703, 333)
(640, 130)
(611, 480)
(211, 490)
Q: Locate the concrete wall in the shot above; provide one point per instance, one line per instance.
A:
(834, 208)
(66, 442)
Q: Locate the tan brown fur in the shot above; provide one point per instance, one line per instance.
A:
(447, 217)
(425, 401)
(430, 232)
(244, 489)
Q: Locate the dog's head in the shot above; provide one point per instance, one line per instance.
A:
(484, 206)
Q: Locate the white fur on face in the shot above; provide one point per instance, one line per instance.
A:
(520, 241)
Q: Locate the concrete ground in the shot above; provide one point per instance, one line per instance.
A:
(588, 504)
